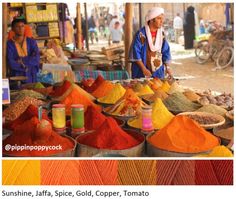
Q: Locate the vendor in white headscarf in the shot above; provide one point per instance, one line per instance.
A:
(150, 52)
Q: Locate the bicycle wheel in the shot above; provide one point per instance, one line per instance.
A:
(225, 57)
(202, 52)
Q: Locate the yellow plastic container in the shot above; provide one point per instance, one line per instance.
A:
(59, 116)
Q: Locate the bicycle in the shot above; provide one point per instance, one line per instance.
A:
(225, 56)
(217, 48)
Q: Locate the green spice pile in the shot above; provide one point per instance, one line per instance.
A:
(27, 93)
(177, 102)
(211, 108)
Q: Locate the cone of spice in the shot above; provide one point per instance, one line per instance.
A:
(31, 111)
(156, 84)
(160, 116)
(38, 133)
(104, 88)
(192, 96)
(19, 107)
(165, 86)
(112, 97)
(93, 118)
(175, 87)
(212, 108)
(27, 93)
(145, 90)
(99, 80)
(218, 151)
(129, 105)
(177, 102)
(87, 83)
(227, 133)
(59, 90)
(109, 136)
(76, 97)
(183, 135)
(39, 85)
(158, 94)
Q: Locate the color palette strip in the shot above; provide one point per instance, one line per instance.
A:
(117, 172)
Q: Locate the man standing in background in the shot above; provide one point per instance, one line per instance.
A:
(178, 27)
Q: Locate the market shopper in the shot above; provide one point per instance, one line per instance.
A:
(22, 53)
(178, 27)
(116, 33)
(189, 28)
(150, 52)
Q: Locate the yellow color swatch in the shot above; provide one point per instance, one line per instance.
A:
(21, 172)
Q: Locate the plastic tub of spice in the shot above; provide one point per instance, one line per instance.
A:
(88, 151)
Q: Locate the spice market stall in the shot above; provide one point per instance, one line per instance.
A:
(82, 106)
(117, 118)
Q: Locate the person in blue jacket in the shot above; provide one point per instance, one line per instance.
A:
(150, 52)
(22, 53)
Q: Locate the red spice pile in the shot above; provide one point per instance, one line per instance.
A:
(36, 133)
(93, 118)
(60, 90)
(86, 83)
(109, 136)
(96, 84)
(31, 111)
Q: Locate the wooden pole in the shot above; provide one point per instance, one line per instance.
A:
(140, 14)
(86, 19)
(4, 41)
(63, 22)
(79, 44)
(128, 33)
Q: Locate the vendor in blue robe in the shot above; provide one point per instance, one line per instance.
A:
(22, 53)
(150, 52)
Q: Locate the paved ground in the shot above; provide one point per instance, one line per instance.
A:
(200, 77)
